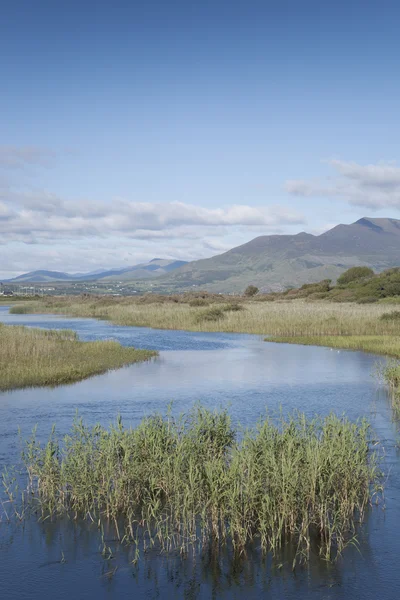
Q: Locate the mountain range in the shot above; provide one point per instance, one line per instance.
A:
(276, 262)
(153, 268)
(271, 262)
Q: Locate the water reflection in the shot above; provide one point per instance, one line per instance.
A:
(72, 552)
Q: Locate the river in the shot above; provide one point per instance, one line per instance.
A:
(243, 373)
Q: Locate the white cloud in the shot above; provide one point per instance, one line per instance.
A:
(43, 230)
(371, 186)
(38, 217)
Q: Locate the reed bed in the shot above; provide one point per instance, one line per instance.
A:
(187, 482)
(296, 318)
(36, 357)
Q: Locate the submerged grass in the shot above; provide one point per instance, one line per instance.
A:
(187, 482)
(36, 357)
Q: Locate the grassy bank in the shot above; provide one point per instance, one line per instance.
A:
(179, 482)
(35, 357)
(298, 318)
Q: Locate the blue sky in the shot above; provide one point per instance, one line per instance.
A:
(182, 128)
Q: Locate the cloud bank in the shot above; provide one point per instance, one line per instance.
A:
(370, 186)
(40, 217)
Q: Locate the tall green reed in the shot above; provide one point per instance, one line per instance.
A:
(181, 483)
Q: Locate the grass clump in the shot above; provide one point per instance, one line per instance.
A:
(233, 307)
(392, 316)
(211, 314)
(191, 481)
(36, 357)
(391, 374)
(198, 302)
(19, 309)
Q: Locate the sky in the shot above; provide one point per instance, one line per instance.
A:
(179, 129)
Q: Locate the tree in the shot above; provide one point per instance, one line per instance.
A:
(355, 273)
(251, 290)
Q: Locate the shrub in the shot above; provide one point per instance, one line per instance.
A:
(318, 296)
(353, 274)
(251, 290)
(367, 300)
(268, 297)
(390, 300)
(321, 286)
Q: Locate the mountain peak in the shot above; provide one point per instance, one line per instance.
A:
(275, 262)
(380, 224)
(366, 222)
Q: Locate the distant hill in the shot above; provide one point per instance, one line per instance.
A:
(154, 268)
(276, 262)
(41, 276)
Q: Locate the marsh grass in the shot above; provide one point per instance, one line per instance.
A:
(391, 374)
(296, 318)
(35, 357)
(180, 483)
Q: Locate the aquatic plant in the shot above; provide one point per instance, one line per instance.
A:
(180, 483)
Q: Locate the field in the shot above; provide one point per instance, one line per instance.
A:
(35, 357)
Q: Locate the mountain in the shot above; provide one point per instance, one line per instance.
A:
(271, 262)
(276, 262)
(152, 269)
(155, 268)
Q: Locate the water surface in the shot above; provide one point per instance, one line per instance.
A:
(243, 373)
